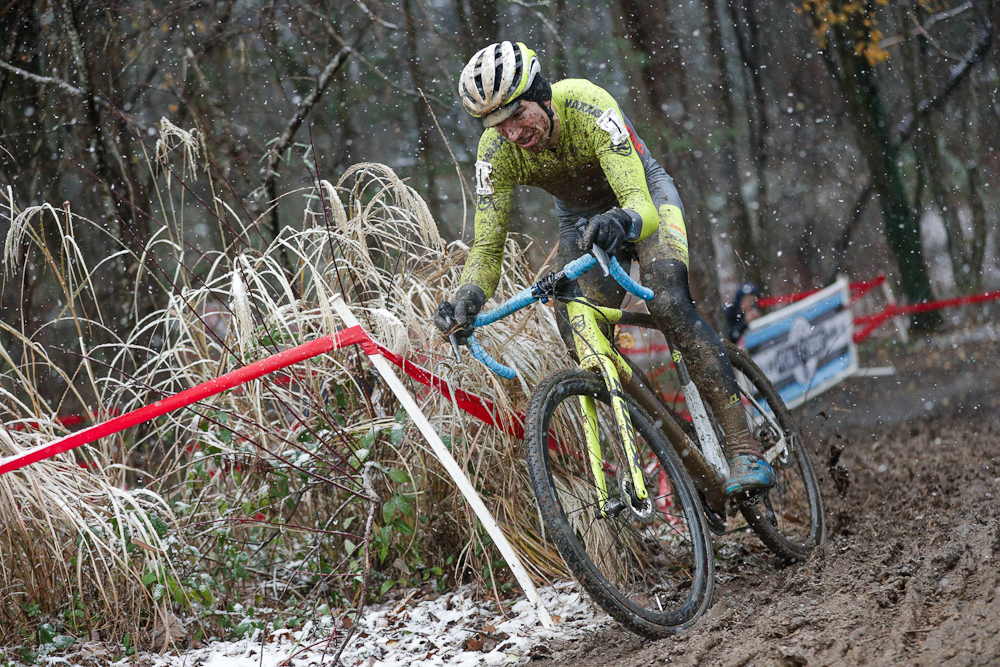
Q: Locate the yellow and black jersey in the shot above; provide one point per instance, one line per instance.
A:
(599, 162)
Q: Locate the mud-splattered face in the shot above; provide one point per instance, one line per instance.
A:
(528, 127)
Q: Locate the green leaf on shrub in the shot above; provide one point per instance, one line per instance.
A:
(402, 527)
(384, 540)
(149, 578)
(63, 642)
(399, 475)
(396, 504)
(159, 525)
(46, 633)
(386, 585)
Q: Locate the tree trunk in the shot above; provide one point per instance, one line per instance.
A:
(930, 169)
(424, 123)
(557, 60)
(743, 15)
(740, 217)
(902, 227)
(479, 24)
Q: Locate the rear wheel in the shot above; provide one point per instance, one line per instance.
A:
(650, 566)
(789, 517)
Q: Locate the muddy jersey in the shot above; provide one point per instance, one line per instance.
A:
(599, 162)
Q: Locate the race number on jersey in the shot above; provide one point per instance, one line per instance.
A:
(612, 123)
(484, 186)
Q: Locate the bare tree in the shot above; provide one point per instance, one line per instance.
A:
(753, 262)
(852, 63)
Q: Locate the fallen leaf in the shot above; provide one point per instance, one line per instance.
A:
(474, 643)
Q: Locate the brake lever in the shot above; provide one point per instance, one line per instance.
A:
(602, 259)
(454, 345)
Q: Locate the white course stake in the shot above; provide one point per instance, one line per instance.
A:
(444, 456)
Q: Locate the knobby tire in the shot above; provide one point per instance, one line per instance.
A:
(656, 578)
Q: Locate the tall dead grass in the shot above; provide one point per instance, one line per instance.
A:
(263, 493)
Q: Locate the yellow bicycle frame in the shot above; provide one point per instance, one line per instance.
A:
(596, 354)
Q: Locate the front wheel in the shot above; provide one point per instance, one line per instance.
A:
(650, 568)
(789, 517)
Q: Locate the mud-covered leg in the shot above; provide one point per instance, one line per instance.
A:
(663, 258)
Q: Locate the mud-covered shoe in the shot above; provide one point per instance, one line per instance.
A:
(749, 474)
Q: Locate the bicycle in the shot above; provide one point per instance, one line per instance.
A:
(647, 559)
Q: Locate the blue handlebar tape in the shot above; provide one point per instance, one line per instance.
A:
(572, 271)
(579, 266)
(482, 355)
(511, 305)
(625, 280)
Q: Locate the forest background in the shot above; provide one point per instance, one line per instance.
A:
(806, 138)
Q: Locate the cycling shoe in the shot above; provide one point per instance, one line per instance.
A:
(749, 474)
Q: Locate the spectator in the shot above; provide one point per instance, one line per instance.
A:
(742, 311)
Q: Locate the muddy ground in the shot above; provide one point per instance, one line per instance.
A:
(910, 570)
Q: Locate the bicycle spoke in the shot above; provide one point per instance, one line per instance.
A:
(794, 523)
(652, 572)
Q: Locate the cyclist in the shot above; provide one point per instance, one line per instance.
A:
(571, 139)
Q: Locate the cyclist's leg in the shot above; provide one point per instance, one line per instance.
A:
(663, 258)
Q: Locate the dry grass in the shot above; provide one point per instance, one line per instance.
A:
(275, 469)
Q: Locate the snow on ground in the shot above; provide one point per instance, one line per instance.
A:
(451, 630)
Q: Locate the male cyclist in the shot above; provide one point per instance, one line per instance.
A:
(572, 140)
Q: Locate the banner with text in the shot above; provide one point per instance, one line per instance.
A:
(807, 347)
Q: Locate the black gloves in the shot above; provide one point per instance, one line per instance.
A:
(606, 230)
(459, 316)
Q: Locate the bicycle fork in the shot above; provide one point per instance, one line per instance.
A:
(597, 355)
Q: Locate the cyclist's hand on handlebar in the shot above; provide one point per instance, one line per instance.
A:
(459, 315)
(606, 230)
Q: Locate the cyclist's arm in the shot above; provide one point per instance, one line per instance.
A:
(494, 192)
(623, 168)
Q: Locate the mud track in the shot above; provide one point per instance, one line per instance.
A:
(910, 570)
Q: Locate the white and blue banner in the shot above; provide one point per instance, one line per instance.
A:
(807, 347)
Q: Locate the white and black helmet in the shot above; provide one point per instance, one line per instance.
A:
(497, 78)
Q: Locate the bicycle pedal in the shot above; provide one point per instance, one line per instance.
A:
(751, 500)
